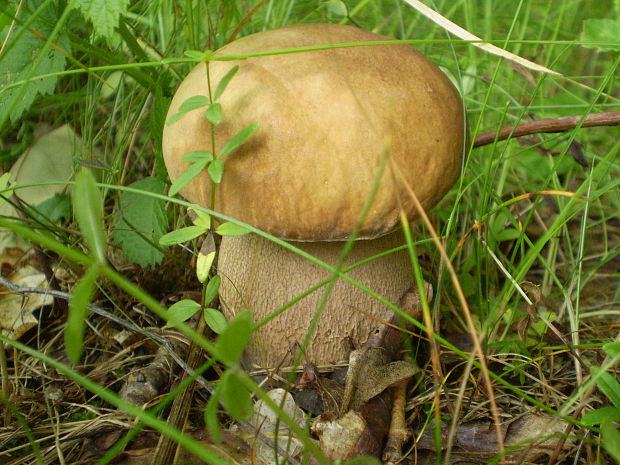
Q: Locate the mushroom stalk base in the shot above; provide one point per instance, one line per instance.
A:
(262, 277)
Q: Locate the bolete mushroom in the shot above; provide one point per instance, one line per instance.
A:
(328, 120)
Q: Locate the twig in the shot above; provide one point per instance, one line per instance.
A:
(611, 118)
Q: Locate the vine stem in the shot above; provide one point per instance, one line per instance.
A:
(564, 123)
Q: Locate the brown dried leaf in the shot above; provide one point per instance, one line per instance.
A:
(532, 435)
(370, 373)
(346, 437)
(16, 310)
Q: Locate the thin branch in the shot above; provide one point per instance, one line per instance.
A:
(565, 123)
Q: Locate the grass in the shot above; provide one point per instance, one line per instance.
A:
(531, 228)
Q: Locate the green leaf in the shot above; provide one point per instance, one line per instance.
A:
(52, 210)
(233, 340)
(142, 223)
(221, 86)
(182, 310)
(174, 118)
(216, 320)
(235, 396)
(202, 219)
(612, 349)
(608, 384)
(194, 102)
(23, 61)
(197, 55)
(197, 155)
(211, 421)
(103, 14)
(203, 265)
(611, 440)
(83, 292)
(212, 289)
(181, 235)
(337, 7)
(231, 229)
(603, 34)
(194, 54)
(186, 177)
(238, 139)
(88, 211)
(601, 415)
(216, 170)
(214, 113)
(507, 234)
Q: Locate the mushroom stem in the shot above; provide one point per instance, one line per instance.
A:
(262, 276)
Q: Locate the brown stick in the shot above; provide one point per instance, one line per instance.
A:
(611, 118)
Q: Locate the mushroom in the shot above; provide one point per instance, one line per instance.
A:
(328, 120)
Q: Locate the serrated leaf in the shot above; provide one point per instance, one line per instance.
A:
(603, 34)
(235, 396)
(216, 170)
(142, 222)
(52, 210)
(82, 294)
(231, 229)
(214, 113)
(103, 14)
(233, 340)
(88, 211)
(238, 139)
(212, 289)
(221, 86)
(186, 177)
(611, 440)
(598, 416)
(181, 311)
(215, 320)
(23, 61)
(203, 266)
(193, 103)
(181, 235)
(197, 155)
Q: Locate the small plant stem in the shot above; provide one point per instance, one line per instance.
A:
(212, 133)
(565, 123)
(4, 370)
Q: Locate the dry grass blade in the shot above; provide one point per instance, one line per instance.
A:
(462, 300)
(466, 35)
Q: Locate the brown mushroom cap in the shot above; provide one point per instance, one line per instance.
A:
(326, 119)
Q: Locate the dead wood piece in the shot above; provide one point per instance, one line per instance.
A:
(399, 433)
(150, 381)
